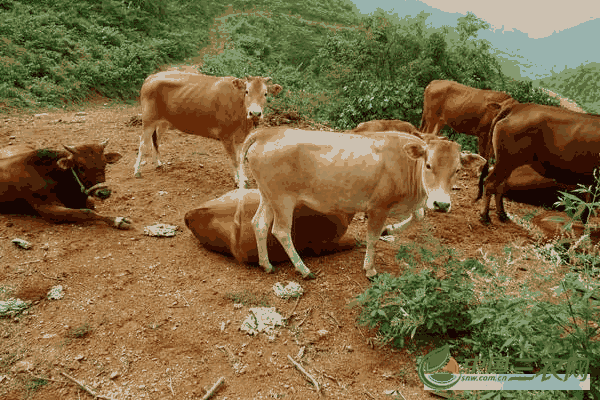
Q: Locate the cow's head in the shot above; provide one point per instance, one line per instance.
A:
(88, 163)
(256, 88)
(441, 160)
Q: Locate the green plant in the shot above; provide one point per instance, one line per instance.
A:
(80, 331)
(248, 298)
(419, 301)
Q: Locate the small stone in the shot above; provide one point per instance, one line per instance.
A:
(114, 375)
(80, 357)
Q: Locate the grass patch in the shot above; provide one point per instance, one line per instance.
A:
(80, 331)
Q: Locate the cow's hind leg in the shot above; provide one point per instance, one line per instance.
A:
(374, 227)
(282, 228)
(262, 221)
(145, 138)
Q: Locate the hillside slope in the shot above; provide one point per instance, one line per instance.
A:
(580, 84)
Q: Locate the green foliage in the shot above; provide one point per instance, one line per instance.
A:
(524, 92)
(366, 100)
(579, 84)
(63, 51)
(419, 303)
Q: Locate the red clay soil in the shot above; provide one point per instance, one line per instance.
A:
(152, 318)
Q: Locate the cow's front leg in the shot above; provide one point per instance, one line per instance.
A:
(282, 228)
(59, 213)
(376, 221)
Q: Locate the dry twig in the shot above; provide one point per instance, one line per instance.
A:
(46, 379)
(87, 389)
(367, 393)
(171, 387)
(306, 374)
(333, 316)
(50, 277)
(214, 388)
(294, 309)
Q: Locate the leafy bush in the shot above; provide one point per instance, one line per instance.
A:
(419, 301)
(367, 100)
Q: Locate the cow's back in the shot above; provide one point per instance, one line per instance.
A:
(192, 102)
(566, 143)
(332, 171)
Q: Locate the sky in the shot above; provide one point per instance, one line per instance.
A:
(537, 18)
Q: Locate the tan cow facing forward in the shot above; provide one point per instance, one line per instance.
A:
(386, 125)
(344, 172)
(222, 108)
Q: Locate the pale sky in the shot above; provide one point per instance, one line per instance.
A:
(538, 18)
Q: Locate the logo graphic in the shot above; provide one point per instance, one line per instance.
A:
(441, 369)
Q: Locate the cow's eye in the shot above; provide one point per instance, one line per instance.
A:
(247, 92)
(428, 166)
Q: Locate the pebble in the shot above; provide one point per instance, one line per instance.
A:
(114, 375)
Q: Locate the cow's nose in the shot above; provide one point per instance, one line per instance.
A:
(441, 206)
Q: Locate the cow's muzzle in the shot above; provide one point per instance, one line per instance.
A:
(99, 190)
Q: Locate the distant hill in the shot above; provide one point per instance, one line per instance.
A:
(580, 84)
(520, 55)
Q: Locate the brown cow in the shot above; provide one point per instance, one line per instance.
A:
(558, 144)
(222, 108)
(463, 108)
(333, 172)
(58, 184)
(225, 225)
(386, 125)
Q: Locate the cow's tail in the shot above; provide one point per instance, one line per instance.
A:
(503, 113)
(236, 234)
(482, 176)
(245, 147)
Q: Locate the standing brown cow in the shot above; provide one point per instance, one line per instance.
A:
(558, 144)
(222, 108)
(463, 108)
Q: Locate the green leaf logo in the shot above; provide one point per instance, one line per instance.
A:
(432, 364)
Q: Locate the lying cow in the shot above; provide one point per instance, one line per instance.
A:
(222, 108)
(58, 184)
(465, 109)
(225, 225)
(386, 125)
(558, 144)
(343, 172)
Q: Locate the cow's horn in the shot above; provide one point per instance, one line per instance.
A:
(103, 144)
(70, 149)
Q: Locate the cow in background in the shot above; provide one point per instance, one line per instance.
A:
(58, 184)
(558, 144)
(224, 225)
(463, 108)
(386, 125)
(222, 108)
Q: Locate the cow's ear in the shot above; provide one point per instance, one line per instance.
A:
(275, 89)
(414, 150)
(112, 158)
(471, 161)
(66, 163)
(239, 83)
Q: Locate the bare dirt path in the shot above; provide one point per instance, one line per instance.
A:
(153, 318)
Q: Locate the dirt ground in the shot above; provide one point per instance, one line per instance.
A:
(154, 318)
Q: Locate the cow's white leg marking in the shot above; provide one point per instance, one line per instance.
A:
(376, 221)
(282, 227)
(262, 221)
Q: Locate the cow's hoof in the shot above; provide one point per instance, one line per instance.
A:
(503, 217)
(122, 223)
(485, 219)
(371, 274)
(137, 175)
(310, 275)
